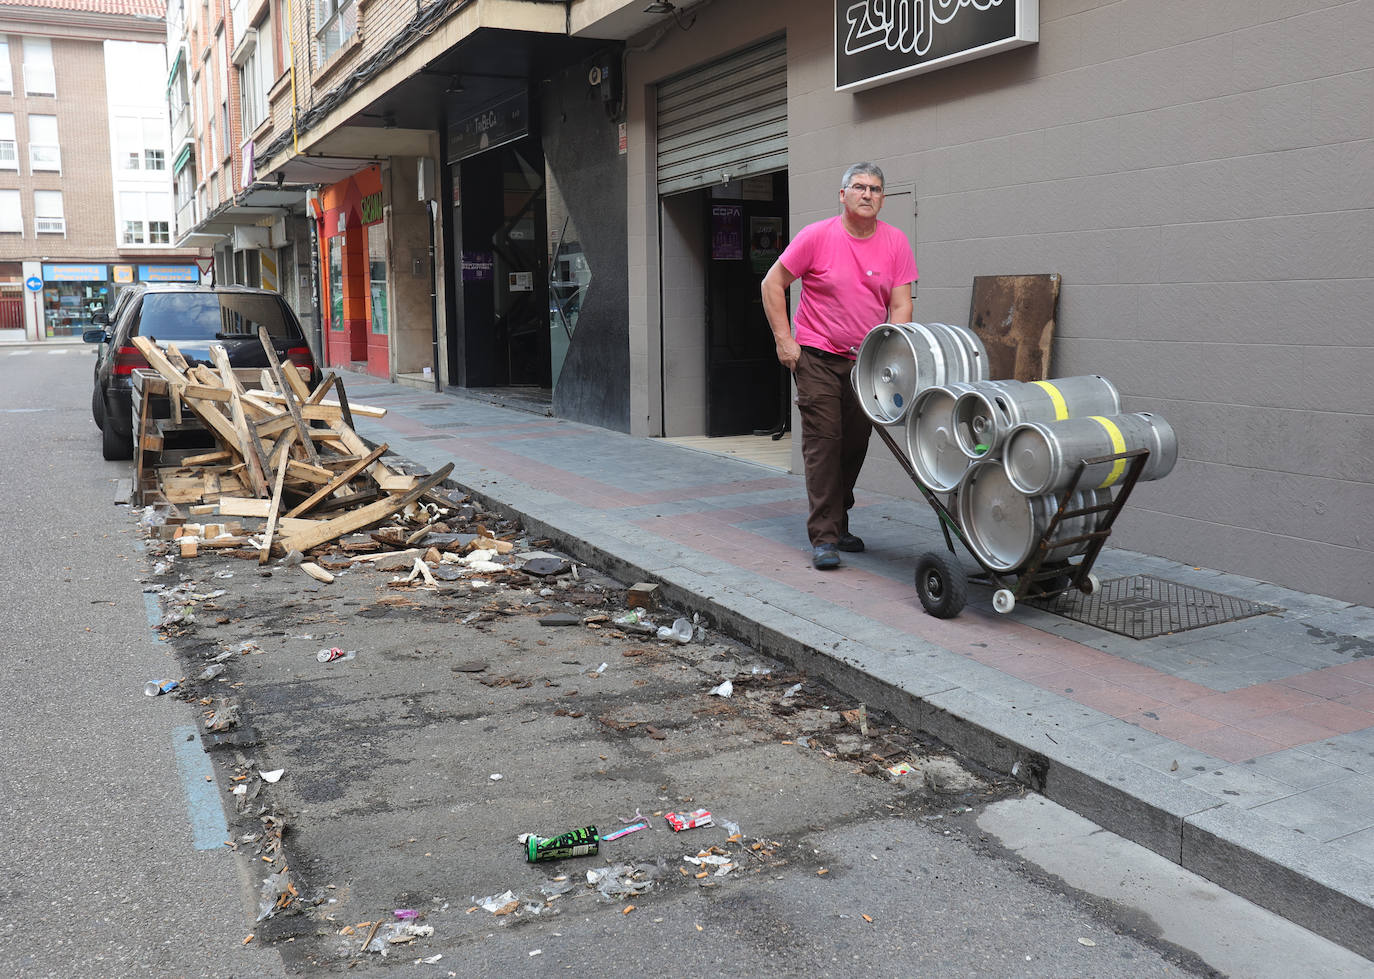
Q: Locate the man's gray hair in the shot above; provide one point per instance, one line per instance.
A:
(868, 169)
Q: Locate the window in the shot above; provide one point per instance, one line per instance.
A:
(38, 72)
(47, 213)
(6, 77)
(145, 218)
(44, 150)
(256, 74)
(9, 152)
(11, 218)
(140, 143)
(339, 22)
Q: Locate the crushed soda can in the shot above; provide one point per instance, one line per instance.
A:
(688, 820)
(329, 655)
(582, 842)
(156, 688)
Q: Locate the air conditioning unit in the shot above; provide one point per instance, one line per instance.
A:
(250, 236)
(277, 233)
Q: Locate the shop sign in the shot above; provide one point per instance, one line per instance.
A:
(478, 266)
(372, 208)
(168, 273)
(501, 122)
(74, 273)
(123, 275)
(880, 41)
(727, 232)
(353, 202)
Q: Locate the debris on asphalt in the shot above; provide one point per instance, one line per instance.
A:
(156, 688)
(626, 831)
(582, 842)
(643, 595)
(688, 820)
(680, 630)
(722, 690)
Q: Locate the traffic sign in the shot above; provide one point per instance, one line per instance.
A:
(34, 283)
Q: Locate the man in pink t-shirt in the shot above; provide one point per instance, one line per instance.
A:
(855, 272)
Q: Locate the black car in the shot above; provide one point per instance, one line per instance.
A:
(193, 317)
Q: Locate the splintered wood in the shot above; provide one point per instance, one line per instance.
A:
(284, 453)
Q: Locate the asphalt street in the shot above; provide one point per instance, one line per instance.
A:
(142, 843)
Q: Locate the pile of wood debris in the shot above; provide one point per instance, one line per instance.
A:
(283, 453)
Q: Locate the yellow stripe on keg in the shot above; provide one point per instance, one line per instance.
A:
(1061, 410)
(1118, 447)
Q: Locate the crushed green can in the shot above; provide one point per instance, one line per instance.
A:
(582, 842)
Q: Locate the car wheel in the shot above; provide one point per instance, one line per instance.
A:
(98, 409)
(114, 446)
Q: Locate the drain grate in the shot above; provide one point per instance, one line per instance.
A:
(1143, 606)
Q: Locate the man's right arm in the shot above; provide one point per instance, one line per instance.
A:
(774, 289)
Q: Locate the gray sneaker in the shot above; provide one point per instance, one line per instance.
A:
(824, 557)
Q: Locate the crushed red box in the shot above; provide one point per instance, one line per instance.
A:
(688, 820)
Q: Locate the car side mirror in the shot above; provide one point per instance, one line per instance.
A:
(94, 335)
(100, 318)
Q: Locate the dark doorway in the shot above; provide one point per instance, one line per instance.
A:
(505, 274)
(746, 387)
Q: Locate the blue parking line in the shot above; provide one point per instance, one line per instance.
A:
(209, 831)
(154, 610)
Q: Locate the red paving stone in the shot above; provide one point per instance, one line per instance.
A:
(1231, 744)
(1170, 689)
(1250, 703)
(1174, 723)
(1361, 669)
(1361, 701)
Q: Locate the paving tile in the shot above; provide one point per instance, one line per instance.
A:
(1359, 845)
(1287, 729)
(1232, 744)
(1241, 786)
(1252, 702)
(1362, 701)
(1327, 812)
(1169, 689)
(1146, 748)
(1327, 684)
(1340, 718)
(1361, 669)
(1172, 722)
(1354, 750)
(1298, 768)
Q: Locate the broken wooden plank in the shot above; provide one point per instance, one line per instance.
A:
(208, 413)
(283, 381)
(338, 481)
(364, 517)
(326, 410)
(243, 506)
(317, 572)
(266, 551)
(250, 446)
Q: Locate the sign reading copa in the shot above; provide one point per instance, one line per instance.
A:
(880, 41)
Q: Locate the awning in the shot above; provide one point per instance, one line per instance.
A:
(183, 158)
(176, 66)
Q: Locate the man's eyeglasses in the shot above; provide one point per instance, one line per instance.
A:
(873, 189)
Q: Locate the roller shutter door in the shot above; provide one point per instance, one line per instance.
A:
(728, 117)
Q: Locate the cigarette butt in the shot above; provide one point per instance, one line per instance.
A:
(628, 909)
(789, 742)
(248, 939)
(823, 871)
(868, 919)
(701, 875)
(699, 928)
(683, 871)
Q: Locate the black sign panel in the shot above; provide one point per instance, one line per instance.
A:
(501, 122)
(880, 41)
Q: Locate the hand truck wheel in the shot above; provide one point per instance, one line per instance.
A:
(941, 585)
(1003, 600)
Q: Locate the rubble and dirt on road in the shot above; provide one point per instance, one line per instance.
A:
(389, 797)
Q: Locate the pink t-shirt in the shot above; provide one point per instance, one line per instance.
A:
(847, 282)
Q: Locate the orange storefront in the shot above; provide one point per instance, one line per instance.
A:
(353, 270)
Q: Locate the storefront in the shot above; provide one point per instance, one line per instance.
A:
(69, 295)
(354, 273)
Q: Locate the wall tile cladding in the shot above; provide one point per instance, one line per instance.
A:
(1202, 176)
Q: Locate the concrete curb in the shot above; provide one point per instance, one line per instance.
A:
(1275, 868)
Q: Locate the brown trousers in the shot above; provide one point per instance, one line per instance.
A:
(835, 434)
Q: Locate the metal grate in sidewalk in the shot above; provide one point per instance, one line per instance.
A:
(1143, 606)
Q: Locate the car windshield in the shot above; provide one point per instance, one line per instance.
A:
(211, 316)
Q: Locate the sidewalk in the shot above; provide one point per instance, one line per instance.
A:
(1244, 750)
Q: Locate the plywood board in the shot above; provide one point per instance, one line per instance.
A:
(1014, 317)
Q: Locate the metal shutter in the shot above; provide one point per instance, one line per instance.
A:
(728, 117)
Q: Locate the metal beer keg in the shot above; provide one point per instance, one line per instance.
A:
(1003, 526)
(1041, 457)
(984, 416)
(897, 361)
(931, 443)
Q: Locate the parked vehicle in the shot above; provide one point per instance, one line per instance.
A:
(193, 317)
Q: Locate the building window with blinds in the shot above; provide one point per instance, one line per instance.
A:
(47, 213)
(338, 22)
(11, 217)
(6, 76)
(39, 78)
(45, 151)
(9, 149)
(256, 74)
